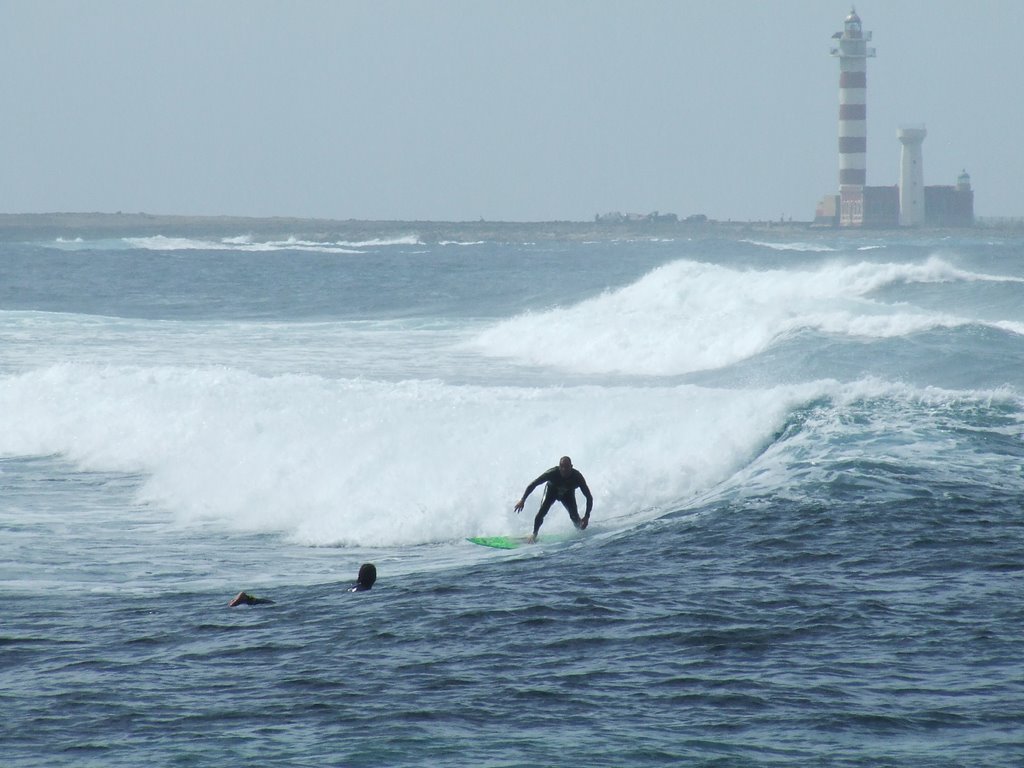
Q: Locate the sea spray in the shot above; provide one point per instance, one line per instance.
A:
(343, 461)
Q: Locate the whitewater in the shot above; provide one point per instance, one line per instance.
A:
(805, 454)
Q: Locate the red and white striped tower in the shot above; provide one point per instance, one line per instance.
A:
(853, 54)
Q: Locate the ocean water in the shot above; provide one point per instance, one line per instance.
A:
(807, 545)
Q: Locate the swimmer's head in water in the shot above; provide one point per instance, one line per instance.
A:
(367, 576)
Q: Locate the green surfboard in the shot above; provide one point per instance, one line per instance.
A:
(514, 542)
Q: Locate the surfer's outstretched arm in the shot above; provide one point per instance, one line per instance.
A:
(529, 489)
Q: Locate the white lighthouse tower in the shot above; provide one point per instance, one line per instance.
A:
(911, 175)
(853, 54)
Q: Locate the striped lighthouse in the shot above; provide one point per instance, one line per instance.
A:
(853, 54)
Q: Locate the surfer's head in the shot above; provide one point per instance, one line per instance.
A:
(367, 575)
(565, 465)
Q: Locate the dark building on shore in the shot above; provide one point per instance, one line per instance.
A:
(950, 206)
(944, 206)
(908, 204)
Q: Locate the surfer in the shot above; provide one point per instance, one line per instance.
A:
(364, 582)
(562, 482)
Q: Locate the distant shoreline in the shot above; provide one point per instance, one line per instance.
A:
(93, 225)
(70, 225)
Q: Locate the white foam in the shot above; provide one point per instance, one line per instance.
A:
(802, 247)
(243, 243)
(370, 463)
(384, 241)
(689, 316)
(386, 349)
(237, 243)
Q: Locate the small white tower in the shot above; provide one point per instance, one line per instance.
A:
(853, 53)
(911, 175)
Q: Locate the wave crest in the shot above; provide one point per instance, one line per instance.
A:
(691, 316)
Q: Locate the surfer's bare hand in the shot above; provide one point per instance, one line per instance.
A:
(519, 505)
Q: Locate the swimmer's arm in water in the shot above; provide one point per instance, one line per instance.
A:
(244, 598)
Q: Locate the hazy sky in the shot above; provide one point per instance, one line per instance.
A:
(520, 110)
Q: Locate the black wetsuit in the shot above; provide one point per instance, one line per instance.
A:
(245, 598)
(560, 488)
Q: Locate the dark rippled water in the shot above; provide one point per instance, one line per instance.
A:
(807, 547)
(753, 635)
